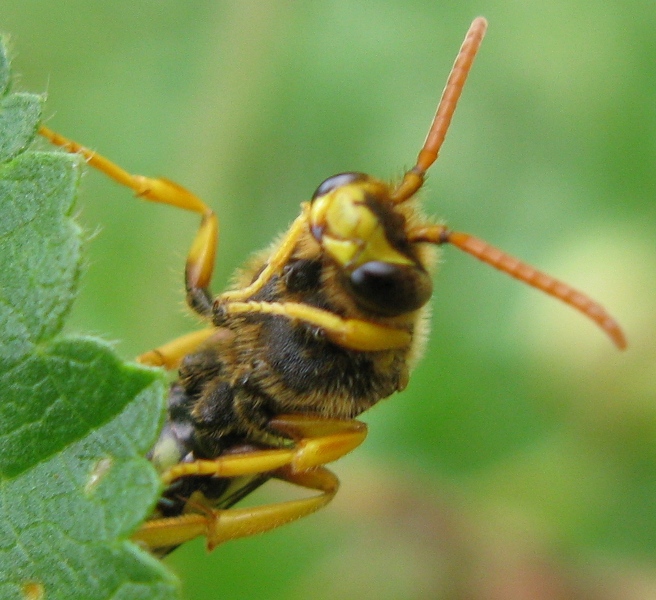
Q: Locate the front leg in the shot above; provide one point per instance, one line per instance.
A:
(200, 260)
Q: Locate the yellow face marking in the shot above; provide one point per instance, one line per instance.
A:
(342, 251)
(353, 234)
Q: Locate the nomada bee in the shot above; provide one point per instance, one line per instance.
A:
(315, 331)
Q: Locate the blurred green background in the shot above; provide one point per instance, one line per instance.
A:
(521, 461)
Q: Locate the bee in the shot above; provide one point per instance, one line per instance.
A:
(315, 330)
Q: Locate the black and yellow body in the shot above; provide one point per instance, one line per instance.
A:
(314, 331)
(257, 365)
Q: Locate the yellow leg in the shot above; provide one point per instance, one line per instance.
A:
(200, 261)
(275, 262)
(170, 355)
(348, 333)
(222, 525)
(316, 441)
(319, 440)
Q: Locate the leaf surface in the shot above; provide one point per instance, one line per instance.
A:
(75, 421)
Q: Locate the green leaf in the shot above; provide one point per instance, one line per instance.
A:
(75, 422)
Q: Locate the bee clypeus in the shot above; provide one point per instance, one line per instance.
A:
(316, 330)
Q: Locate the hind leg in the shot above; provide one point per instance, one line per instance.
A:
(316, 442)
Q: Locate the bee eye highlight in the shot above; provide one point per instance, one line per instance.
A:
(336, 181)
(390, 289)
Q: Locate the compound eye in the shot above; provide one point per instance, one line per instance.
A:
(337, 181)
(390, 289)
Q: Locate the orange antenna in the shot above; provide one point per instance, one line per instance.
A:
(438, 234)
(414, 178)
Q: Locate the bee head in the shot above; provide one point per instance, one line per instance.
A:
(363, 232)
